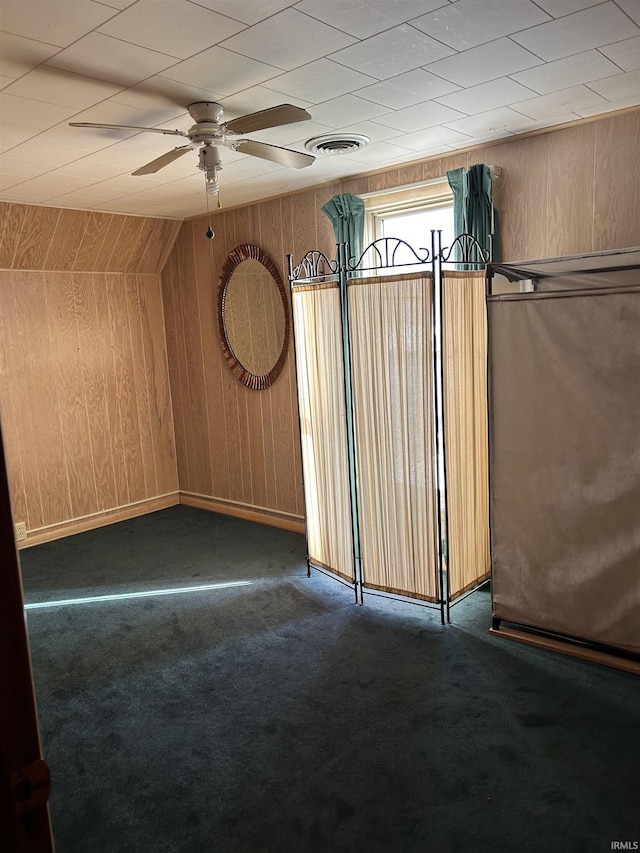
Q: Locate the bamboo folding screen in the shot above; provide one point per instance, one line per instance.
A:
(390, 325)
(464, 353)
(319, 362)
(375, 391)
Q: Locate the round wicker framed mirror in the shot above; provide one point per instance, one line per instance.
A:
(253, 316)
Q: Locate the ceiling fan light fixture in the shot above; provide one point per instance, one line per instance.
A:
(330, 144)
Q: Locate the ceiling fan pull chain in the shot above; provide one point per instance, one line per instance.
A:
(210, 233)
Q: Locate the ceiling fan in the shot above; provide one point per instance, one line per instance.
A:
(209, 132)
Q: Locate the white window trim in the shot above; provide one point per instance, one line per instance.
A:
(399, 201)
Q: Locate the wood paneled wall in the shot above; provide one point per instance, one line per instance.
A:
(237, 449)
(85, 402)
(84, 397)
(576, 189)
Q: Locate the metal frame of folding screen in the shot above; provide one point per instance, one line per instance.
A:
(316, 267)
(535, 272)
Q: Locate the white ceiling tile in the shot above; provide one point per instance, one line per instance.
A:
(172, 27)
(498, 58)
(12, 135)
(69, 204)
(564, 73)
(246, 168)
(559, 103)
(492, 123)
(620, 104)
(25, 195)
(83, 140)
(173, 211)
(392, 52)
(558, 8)
(378, 152)
(7, 181)
(287, 40)
(247, 11)
(625, 54)
(120, 205)
(420, 116)
(468, 23)
(91, 169)
(617, 88)
(110, 59)
(61, 22)
(375, 131)
(364, 18)
(107, 167)
(432, 138)
(114, 112)
(334, 167)
(221, 70)
(28, 113)
(319, 81)
(130, 204)
(254, 99)
(118, 4)
(493, 135)
(51, 155)
(115, 155)
(19, 55)
(581, 31)
(346, 109)
(130, 183)
(406, 89)
(12, 165)
(60, 87)
(150, 145)
(486, 96)
(87, 169)
(166, 192)
(632, 8)
(56, 184)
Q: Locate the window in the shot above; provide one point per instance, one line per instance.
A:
(410, 213)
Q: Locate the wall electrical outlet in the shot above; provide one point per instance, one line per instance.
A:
(21, 531)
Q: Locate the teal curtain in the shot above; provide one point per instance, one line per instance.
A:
(473, 208)
(346, 213)
(458, 182)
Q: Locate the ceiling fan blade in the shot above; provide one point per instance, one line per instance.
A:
(284, 156)
(128, 127)
(163, 160)
(273, 117)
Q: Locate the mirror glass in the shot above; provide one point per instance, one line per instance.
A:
(253, 316)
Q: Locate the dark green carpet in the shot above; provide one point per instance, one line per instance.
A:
(282, 717)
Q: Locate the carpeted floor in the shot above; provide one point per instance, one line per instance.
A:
(281, 717)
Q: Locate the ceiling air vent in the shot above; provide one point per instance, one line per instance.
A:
(336, 143)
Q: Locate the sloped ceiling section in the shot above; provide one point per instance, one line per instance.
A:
(419, 77)
(47, 238)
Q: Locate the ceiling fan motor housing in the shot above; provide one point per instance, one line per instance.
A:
(206, 111)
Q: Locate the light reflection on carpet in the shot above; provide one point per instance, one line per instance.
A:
(129, 595)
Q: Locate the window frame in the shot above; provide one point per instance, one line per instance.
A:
(400, 201)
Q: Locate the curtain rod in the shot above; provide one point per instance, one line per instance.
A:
(494, 171)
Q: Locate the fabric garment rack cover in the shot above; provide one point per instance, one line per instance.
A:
(564, 440)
